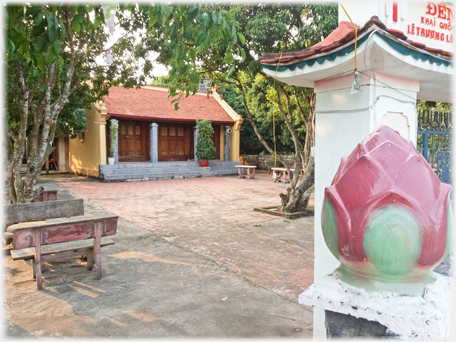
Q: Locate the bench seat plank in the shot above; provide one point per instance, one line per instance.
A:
(29, 252)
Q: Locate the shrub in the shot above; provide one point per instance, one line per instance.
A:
(113, 135)
(205, 148)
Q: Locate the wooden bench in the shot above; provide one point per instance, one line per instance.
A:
(244, 171)
(62, 238)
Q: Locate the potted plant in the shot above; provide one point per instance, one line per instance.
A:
(111, 149)
(205, 148)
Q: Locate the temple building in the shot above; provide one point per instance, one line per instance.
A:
(150, 130)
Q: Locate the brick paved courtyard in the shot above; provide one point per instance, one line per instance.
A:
(191, 259)
(213, 217)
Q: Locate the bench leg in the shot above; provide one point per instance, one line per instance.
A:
(39, 280)
(96, 248)
(32, 263)
(89, 256)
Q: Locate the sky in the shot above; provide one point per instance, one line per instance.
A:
(158, 70)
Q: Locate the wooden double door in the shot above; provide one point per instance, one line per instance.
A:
(134, 141)
(175, 141)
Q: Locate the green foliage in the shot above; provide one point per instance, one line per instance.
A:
(434, 106)
(264, 28)
(205, 148)
(41, 38)
(250, 143)
(52, 76)
(72, 122)
(114, 129)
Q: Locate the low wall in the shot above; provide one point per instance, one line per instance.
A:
(66, 205)
(262, 161)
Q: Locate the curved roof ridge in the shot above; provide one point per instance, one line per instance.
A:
(343, 34)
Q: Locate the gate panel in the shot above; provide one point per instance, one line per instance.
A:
(435, 141)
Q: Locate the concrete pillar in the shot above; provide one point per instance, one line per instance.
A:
(115, 139)
(343, 119)
(227, 143)
(153, 143)
(195, 140)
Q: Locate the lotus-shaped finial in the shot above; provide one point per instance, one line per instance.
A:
(386, 216)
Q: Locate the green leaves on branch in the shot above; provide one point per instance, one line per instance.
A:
(189, 31)
(39, 35)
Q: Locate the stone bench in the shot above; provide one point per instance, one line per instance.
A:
(244, 171)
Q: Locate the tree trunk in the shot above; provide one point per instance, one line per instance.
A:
(297, 197)
(298, 194)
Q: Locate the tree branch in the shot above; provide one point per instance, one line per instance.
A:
(255, 128)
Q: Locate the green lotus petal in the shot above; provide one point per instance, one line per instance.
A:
(329, 227)
(392, 241)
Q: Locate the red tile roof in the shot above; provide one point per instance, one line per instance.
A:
(343, 34)
(154, 104)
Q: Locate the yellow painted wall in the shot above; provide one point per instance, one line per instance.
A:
(86, 156)
(236, 133)
(235, 140)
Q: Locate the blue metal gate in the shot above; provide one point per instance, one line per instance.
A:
(435, 142)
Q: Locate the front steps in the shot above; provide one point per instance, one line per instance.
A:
(164, 170)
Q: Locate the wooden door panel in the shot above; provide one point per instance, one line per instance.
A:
(172, 147)
(123, 148)
(131, 141)
(172, 131)
(177, 140)
(138, 152)
(130, 130)
(130, 148)
(164, 147)
(180, 148)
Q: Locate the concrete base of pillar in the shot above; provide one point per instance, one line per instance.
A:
(354, 312)
(346, 326)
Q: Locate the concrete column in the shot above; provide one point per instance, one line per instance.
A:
(115, 139)
(195, 140)
(153, 143)
(227, 143)
(338, 111)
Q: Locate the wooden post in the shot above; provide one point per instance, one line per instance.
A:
(39, 280)
(96, 248)
(89, 255)
(32, 263)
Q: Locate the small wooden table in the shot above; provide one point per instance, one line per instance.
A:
(244, 171)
